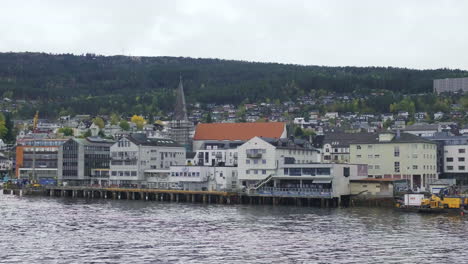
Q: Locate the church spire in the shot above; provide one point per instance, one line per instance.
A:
(180, 111)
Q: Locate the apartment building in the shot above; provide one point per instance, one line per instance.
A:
(260, 157)
(398, 156)
(131, 156)
(451, 85)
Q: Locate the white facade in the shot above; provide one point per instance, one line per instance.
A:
(130, 160)
(456, 159)
(257, 159)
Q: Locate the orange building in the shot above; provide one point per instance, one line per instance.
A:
(38, 157)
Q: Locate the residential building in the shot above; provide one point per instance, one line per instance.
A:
(336, 146)
(131, 156)
(84, 161)
(455, 161)
(451, 85)
(422, 129)
(398, 156)
(260, 157)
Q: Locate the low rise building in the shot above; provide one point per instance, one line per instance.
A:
(398, 156)
(131, 156)
(37, 159)
(259, 158)
(84, 161)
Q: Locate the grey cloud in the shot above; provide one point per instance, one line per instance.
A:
(417, 34)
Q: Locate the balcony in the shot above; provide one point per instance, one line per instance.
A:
(293, 192)
(254, 155)
(125, 158)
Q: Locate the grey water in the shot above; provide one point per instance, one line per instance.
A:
(65, 230)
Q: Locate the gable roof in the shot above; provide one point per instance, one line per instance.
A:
(239, 131)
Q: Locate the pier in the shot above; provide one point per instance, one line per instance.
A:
(206, 197)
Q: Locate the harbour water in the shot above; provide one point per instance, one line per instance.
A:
(66, 230)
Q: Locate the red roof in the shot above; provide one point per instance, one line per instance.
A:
(239, 131)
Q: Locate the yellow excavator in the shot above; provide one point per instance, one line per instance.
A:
(446, 202)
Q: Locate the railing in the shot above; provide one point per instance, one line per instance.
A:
(123, 158)
(254, 155)
(294, 192)
(261, 183)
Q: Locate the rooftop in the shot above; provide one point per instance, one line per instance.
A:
(239, 131)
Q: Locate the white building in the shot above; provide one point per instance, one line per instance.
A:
(260, 157)
(131, 156)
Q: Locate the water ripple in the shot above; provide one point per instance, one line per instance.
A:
(62, 230)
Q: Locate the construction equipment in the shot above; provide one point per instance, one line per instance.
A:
(35, 121)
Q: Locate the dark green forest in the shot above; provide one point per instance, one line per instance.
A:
(93, 84)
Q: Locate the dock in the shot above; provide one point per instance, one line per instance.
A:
(144, 194)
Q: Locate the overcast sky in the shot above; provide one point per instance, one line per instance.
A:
(417, 34)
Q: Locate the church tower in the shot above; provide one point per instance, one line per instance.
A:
(180, 111)
(180, 128)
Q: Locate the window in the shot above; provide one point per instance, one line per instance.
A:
(415, 156)
(449, 159)
(369, 156)
(461, 159)
(461, 167)
(449, 167)
(370, 167)
(377, 167)
(415, 167)
(358, 146)
(396, 151)
(358, 156)
(397, 166)
(369, 146)
(247, 161)
(461, 150)
(376, 156)
(255, 171)
(263, 171)
(263, 161)
(247, 171)
(255, 161)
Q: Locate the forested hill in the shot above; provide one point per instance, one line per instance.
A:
(101, 84)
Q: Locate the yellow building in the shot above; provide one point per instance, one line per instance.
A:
(398, 156)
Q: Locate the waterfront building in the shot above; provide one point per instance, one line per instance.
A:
(203, 178)
(452, 160)
(216, 153)
(398, 156)
(84, 161)
(36, 159)
(451, 85)
(236, 133)
(260, 157)
(377, 188)
(310, 180)
(131, 156)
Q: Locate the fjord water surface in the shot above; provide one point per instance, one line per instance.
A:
(65, 230)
